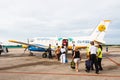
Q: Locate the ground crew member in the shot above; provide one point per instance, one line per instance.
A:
(88, 51)
(49, 50)
(99, 54)
(93, 57)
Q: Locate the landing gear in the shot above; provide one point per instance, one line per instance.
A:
(31, 54)
(44, 55)
(1, 51)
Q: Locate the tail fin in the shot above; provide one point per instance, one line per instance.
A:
(99, 33)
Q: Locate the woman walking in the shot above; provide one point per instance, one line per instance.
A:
(76, 57)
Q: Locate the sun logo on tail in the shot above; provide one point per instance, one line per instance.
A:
(102, 28)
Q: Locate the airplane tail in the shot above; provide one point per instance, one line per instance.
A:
(99, 33)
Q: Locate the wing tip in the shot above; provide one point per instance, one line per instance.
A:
(12, 40)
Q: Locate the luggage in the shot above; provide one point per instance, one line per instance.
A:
(72, 64)
(88, 65)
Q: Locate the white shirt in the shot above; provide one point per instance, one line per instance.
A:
(73, 47)
(63, 50)
(93, 50)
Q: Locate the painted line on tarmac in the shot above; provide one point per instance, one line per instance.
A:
(65, 74)
(112, 60)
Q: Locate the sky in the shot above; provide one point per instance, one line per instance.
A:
(23, 19)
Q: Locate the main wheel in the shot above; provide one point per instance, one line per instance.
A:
(31, 54)
(44, 55)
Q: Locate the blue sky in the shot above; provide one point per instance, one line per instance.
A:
(22, 19)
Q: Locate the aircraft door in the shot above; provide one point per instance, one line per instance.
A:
(65, 42)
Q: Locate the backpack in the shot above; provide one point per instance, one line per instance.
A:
(72, 64)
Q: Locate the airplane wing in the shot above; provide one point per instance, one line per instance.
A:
(19, 42)
(99, 42)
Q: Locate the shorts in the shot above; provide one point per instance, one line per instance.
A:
(77, 60)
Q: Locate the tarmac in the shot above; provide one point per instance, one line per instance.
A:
(17, 65)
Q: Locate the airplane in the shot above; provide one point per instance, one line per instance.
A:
(40, 44)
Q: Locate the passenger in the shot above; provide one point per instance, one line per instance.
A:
(106, 48)
(73, 49)
(56, 46)
(63, 55)
(66, 51)
(49, 50)
(99, 51)
(93, 57)
(57, 52)
(76, 57)
(5, 50)
(65, 46)
(1, 49)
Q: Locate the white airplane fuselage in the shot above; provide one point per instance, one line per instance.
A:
(77, 41)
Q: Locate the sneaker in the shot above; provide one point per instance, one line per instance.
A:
(87, 71)
(100, 69)
(97, 72)
(92, 69)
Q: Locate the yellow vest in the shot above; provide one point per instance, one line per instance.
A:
(88, 50)
(99, 53)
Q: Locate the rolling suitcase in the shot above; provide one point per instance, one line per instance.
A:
(88, 65)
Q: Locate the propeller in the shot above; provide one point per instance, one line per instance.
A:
(26, 46)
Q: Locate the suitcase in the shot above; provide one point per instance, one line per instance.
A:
(88, 64)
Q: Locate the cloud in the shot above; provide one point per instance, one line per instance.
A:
(21, 19)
